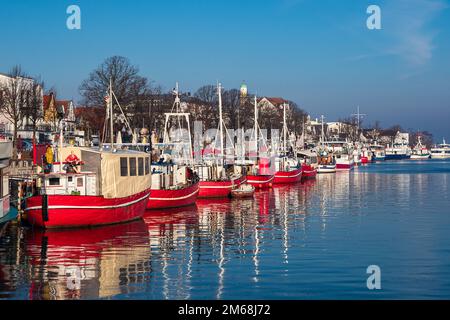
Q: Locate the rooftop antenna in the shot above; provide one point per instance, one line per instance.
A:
(358, 116)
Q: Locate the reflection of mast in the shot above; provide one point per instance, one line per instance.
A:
(221, 263)
(189, 266)
(255, 256)
(285, 231)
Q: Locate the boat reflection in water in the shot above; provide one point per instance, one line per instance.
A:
(87, 263)
(196, 252)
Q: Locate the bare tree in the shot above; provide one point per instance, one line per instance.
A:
(207, 93)
(14, 96)
(129, 87)
(33, 111)
(231, 104)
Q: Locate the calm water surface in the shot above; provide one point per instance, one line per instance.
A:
(309, 241)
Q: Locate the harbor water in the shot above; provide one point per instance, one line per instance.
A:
(313, 240)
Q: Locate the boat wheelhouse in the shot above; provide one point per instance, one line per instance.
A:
(398, 151)
(441, 151)
(91, 187)
(378, 152)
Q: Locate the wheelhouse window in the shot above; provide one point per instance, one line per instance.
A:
(123, 167)
(140, 166)
(147, 165)
(79, 182)
(132, 167)
(53, 182)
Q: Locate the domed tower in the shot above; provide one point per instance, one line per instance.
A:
(243, 93)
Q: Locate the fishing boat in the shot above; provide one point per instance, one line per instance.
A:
(7, 212)
(218, 178)
(91, 186)
(174, 183)
(343, 154)
(420, 152)
(441, 151)
(243, 191)
(172, 186)
(287, 167)
(260, 173)
(378, 153)
(366, 155)
(326, 163)
(309, 164)
(398, 151)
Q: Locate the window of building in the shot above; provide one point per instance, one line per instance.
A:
(123, 167)
(140, 166)
(132, 167)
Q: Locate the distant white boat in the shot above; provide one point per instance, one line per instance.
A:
(441, 151)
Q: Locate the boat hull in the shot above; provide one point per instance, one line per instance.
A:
(308, 172)
(326, 169)
(420, 157)
(218, 189)
(439, 156)
(378, 158)
(262, 181)
(397, 156)
(67, 211)
(161, 199)
(293, 176)
(345, 166)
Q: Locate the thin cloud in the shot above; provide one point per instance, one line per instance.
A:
(407, 22)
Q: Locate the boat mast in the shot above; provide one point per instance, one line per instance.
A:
(219, 89)
(284, 128)
(256, 126)
(323, 136)
(111, 113)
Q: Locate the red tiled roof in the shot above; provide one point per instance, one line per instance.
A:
(46, 100)
(64, 103)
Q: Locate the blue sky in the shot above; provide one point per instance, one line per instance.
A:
(318, 53)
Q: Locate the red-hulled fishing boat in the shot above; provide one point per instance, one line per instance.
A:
(112, 187)
(90, 186)
(217, 178)
(216, 183)
(172, 187)
(259, 171)
(287, 168)
(309, 164)
(174, 183)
